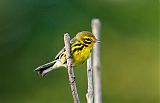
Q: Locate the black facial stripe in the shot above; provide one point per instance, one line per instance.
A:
(86, 45)
(89, 42)
(77, 49)
(77, 44)
(87, 39)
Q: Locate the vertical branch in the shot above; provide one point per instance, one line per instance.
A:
(89, 94)
(70, 68)
(96, 62)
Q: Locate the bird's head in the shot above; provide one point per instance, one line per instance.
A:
(87, 38)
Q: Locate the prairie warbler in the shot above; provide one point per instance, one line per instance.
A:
(81, 46)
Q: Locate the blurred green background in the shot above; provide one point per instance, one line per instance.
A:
(31, 33)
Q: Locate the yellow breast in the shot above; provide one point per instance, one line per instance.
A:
(80, 56)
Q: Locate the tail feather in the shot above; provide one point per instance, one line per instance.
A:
(44, 69)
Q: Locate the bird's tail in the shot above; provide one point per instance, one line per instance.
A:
(44, 69)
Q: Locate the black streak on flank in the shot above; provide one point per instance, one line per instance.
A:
(65, 62)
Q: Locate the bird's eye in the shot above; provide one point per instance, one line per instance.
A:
(87, 39)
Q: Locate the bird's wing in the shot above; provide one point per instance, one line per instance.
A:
(57, 56)
(72, 41)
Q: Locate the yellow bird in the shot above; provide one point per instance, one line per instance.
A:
(81, 46)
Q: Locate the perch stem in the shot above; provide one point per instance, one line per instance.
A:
(96, 26)
(70, 68)
(89, 94)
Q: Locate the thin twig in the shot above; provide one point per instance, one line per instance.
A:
(96, 25)
(89, 94)
(70, 68)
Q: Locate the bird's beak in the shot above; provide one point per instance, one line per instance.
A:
(97, 41)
